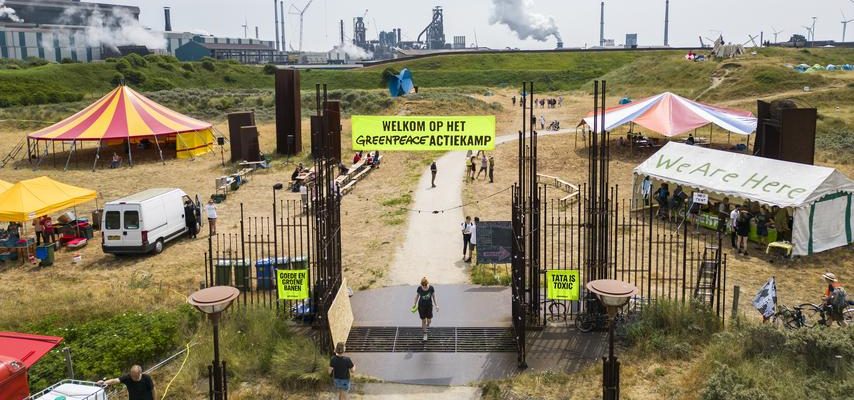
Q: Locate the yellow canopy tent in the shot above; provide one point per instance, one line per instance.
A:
(4, 185)
(32, 198)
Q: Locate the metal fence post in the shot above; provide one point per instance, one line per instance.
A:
(69, 364)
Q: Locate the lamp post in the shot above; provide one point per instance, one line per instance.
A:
(613, 294)
(213, 301)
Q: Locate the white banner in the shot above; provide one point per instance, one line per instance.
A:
(766, 299)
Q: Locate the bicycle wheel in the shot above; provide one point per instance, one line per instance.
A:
(812, 313)
(557, 311)
(584, 323)
(848, 316)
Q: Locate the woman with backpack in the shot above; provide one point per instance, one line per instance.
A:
(835, 299)
(742, 229)
(662, 196)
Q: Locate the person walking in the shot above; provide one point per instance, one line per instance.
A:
(662, 196)
(140, 386)
(484, 164)
(210, 210)
(433, 174)
(425, 301)
(514, 101)
(542, 122)
(491, 169)
(742, 227)
(466, 229)
(190, 218)
(733, 225)
(340, 367)
(473, 239)
(472, 167)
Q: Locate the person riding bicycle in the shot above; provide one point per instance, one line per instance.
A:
(835, 299)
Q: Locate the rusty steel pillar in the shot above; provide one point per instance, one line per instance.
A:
(288, 123)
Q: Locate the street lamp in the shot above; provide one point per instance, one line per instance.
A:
(613, 294)
(213, 301)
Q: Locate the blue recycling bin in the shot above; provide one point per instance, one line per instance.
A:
(264, 271)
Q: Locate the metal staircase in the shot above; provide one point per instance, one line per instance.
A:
(707, 276)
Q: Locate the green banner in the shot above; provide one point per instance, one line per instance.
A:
(292, 284)
(423, 133)
(562, 284)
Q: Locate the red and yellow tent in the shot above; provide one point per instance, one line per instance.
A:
(125, 115)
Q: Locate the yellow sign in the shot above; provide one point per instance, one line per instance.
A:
(423, 133)
(292, 284)
(562, 284)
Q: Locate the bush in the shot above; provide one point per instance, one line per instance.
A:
(229, 78)
(107, 347)
(206, 58)
(123, 65)
(36, 62)
(187, 74)
(153, 58)
(270, 69)
(672, 329)
(170, 59)
(118, 79)
(189, 67)
(209, 65)
(159, 84)
(725, 384)
(67, 60)
(136, 60)
(166, 66)
(111, 60)
(135, 77)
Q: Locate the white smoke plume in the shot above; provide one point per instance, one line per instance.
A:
(8, 12)
(355, 52)
(517, 15)
(119, 28)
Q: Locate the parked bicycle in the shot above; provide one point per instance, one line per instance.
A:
(808, 315)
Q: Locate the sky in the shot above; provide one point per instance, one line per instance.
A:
(577, 20)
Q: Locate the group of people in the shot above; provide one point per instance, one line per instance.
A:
(372, 160)
(734, 218)
(45, 231)
(487, 166)
(192, 215)
(543, 103)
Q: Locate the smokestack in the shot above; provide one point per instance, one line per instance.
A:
(257, 35)
(666, 21)
(282, 15)
(398, 36)
(168, 27)
(602, 26)
(276, 17)
(342, 32)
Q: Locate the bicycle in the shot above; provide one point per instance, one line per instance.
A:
(809, 315)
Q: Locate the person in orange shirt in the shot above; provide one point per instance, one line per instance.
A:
(834, 299)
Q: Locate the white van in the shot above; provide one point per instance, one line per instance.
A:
(143, 222)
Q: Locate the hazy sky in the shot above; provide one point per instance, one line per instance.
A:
(578, 20)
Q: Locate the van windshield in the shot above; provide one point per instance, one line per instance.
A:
(113, 220)
(131, 219)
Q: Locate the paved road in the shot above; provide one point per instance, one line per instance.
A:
(433, 244)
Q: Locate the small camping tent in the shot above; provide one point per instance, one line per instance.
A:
(820, 197)
(31, 198)
(124, 115)
(671, 115)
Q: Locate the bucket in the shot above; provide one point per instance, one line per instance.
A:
(76, 259)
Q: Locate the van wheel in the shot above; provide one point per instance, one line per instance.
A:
(158, 246)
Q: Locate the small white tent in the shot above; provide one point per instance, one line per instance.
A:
(821, 198)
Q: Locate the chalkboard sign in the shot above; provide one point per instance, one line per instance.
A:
(494, 242)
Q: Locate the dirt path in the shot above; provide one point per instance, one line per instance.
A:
(433, 244)
(395, 391)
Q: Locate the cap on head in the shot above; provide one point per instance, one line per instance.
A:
(830, 276)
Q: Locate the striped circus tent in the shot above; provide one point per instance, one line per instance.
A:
(124, 115)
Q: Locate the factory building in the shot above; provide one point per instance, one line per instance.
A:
(245, 51)
(53, 29)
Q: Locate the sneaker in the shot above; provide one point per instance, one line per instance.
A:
(424, 338)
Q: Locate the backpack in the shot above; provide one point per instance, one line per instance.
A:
(838, 298)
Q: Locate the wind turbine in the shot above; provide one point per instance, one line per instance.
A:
(245, 26)
(812, 31)
(845, 24)
(809, 32)
(776, 32)
(300, 13)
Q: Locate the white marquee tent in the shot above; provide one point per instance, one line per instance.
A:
(820, 197)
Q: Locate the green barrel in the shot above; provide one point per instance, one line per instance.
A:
(241, 275)
(223, 272)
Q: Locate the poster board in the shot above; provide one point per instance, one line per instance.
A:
(494, 242)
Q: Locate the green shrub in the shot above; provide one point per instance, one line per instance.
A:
(189, 67)
(230, 62)
(207, 58)
(118, 79)
(227, 78)
(153, 58)
(187, 74)
(166, 66)
(123, 65)
(839, 140)
(159, 84)
(110, 60)
(109, 346)
(209, 65)
(67, 60)
(270, 69)
(135, 77)
(170, 59)
(726, 384)
(672, 329)
(136, 60)
(36, 62)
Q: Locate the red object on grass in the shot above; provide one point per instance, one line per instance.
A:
(18, 352)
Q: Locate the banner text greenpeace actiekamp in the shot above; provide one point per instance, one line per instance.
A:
(395, 133)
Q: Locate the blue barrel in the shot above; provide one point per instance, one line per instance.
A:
(264, 271)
